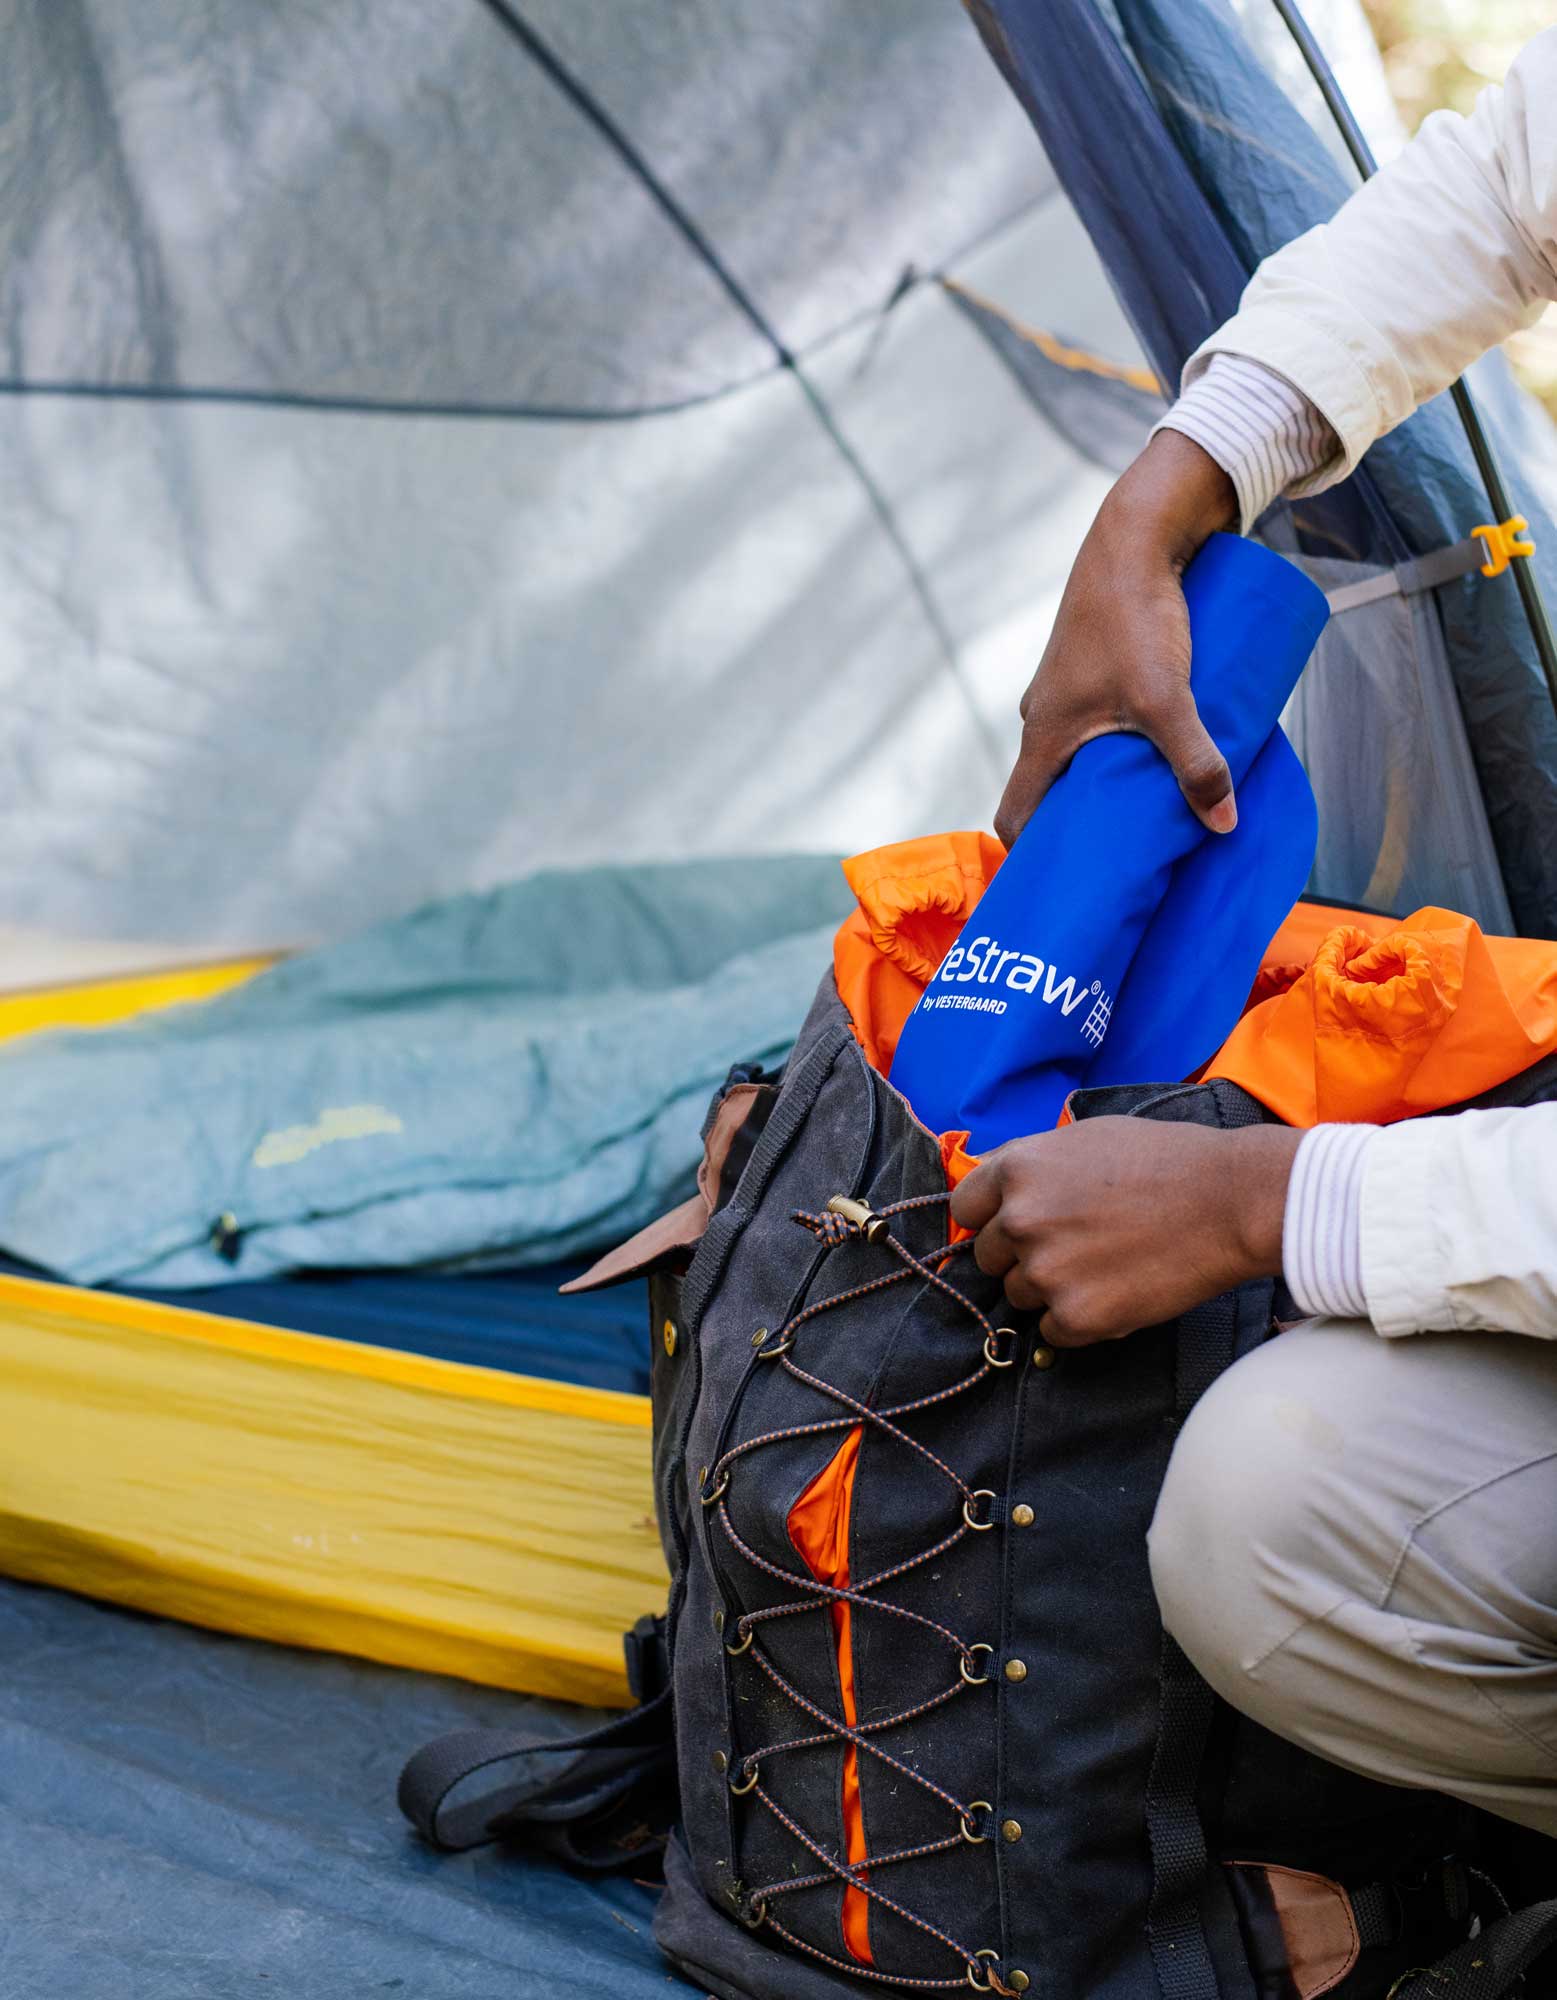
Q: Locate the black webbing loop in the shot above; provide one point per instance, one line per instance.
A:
(1486, 1967)
(611, 1803)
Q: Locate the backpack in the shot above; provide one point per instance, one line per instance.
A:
(911, 1622)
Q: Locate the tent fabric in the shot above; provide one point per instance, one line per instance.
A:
(339, 584)
(1188, 163)
(437, 446)
(514, 1077)
(186, 1816)
(1377, 724)
(1106, 413)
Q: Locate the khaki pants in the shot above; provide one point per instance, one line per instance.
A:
(1357, 1546)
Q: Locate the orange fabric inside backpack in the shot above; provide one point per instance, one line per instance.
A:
(819, 1528)
(1388, 1023)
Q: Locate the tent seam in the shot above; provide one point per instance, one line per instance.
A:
(551, 65)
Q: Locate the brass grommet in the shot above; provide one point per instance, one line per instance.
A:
(771, 1353)
(755, 1913)
(978, 1493)
(1010, 1829)
(668, 1335)
(981, 1985)
(719, 1621)
(1022, 1516)
(750, 1785)
(1016, 1670)
(969, 1832)
(721, 1762)
(1018, 1980)
(735, 1652)
(708, 1499)
(759, 1336)
(975, 1680)
(1043, 1357)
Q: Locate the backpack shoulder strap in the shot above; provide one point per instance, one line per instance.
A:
(1487, 1967)
(611, 1802)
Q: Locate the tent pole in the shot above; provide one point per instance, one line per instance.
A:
(1480, 444)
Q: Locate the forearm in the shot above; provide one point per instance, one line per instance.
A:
(1170, 501)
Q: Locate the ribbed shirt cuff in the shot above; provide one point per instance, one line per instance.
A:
(1321, 1234)
(1265, 435)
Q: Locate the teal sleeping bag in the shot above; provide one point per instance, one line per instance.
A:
(505, 1078)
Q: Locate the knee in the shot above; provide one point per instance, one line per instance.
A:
(1245, 1526)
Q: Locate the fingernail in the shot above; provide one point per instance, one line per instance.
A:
(1224, 815)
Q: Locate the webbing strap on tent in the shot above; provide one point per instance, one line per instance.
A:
(1407, 579)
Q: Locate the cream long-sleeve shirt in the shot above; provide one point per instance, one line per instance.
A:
(1448, 250)
(1435, 1224)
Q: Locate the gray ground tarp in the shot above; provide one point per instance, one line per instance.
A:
(185, 1816)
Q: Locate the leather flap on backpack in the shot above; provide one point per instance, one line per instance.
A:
(727, 1142)
(1300, 1929)
(667, 1236)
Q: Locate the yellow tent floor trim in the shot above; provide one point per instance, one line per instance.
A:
(318, 1492)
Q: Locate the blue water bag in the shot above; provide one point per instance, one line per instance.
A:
(1119, 940)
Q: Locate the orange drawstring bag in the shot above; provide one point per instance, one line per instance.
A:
(1386, 1026)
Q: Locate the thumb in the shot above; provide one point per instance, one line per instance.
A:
(1199, 766)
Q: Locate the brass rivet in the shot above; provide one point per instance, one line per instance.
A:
(759, 1336)
(1016, 1670)
(1010, 1829)
(1018, 1980)
(718, 1621)
(1043, 1357)
(1022, 1516)
(721, 1762)
(668, 1335)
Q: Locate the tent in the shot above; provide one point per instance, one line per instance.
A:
(443, 443)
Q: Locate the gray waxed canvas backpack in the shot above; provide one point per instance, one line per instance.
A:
(958, 1752)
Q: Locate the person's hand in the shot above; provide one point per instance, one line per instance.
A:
(1119, 1223)
(1118, 657)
